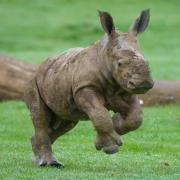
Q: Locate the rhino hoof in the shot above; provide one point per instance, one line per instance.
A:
(56, 164)
(53, 163)
(98, 146)
(111, 149)
(42, 163)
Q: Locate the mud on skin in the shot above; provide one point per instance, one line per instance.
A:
(87, 83)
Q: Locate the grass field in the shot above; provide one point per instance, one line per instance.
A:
(33, 30)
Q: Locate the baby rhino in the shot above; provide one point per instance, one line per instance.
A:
(86, 83)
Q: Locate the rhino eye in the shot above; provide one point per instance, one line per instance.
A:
(119, 63)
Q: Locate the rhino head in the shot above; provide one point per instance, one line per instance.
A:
(121, 53)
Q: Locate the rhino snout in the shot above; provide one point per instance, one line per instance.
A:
(145, 85)
(141, 87)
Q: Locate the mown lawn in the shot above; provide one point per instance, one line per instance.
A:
(152, 152)
(33, 30)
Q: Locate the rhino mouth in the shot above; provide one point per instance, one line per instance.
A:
(140, 88)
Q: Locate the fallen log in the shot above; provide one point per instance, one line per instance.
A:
(15, 74)
(163, 92)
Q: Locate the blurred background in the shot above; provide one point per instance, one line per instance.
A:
(36, 29)
(33, 30)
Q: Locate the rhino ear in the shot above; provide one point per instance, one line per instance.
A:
(106, 22)
(141, 23)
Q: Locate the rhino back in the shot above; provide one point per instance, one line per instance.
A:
(55, 79)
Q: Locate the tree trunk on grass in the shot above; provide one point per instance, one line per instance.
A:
(14, 76)
(163, 92)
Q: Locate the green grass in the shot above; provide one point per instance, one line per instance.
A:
(33, 30)
(152, 152)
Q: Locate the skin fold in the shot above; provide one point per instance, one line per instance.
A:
(85, 83)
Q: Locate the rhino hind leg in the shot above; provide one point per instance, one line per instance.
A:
(41, 143)
(43, 159)
(64, 126)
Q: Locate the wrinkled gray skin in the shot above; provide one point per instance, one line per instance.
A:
(86, 83)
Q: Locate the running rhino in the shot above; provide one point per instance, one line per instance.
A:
(84, 83)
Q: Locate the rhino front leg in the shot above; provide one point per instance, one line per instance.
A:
(130, 119)
(92, 104)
